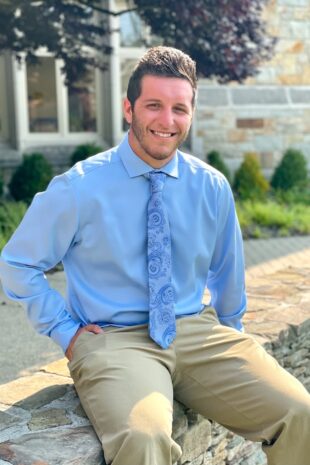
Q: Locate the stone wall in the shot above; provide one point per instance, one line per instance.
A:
(269, 113)
(43, 423)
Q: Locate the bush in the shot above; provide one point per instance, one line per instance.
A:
(214, 159)
(249, 182)
(84, 151)
(291, 171)
(11, 214)
(32, 176)
(268, 218)
(1, 186)
(296, 195)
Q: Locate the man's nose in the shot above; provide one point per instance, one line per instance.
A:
(166, 118)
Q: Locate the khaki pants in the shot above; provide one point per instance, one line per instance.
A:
(126, 384)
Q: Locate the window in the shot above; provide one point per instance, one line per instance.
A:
(42, 99)
(135, 33)
(131, 30)
(82, 105)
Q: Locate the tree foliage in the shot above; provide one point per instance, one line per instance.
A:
(66, 28)
(228, 39)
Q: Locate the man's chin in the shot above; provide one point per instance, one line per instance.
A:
(160, 156)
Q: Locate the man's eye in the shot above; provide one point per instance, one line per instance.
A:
(153, 105)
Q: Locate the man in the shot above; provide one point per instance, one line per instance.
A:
(141, 230)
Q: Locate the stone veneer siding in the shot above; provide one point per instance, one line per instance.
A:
(269, 113)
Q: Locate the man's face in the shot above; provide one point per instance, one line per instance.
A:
(161, 118)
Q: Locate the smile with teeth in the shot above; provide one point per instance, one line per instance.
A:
(163, 134)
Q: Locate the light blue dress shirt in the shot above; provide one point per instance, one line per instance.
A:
(93, 219)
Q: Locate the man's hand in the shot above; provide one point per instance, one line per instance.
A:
(88, 328)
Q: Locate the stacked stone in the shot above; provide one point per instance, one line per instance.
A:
(294, 354)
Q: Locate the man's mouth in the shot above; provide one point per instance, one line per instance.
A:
(165, 135)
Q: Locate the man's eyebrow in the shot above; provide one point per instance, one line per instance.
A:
(151, 100)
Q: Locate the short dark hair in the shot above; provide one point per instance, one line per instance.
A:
(165, 62)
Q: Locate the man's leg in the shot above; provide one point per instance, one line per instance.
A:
(228, 377)
(124, 384)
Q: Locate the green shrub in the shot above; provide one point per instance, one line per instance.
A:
(214, 159)
(249, 182)
(32, 176)
(11, 214)
(84, 151)
(291, 171)
(268, 218)
(296, 195)
(1, 185)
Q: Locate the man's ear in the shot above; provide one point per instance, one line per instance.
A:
(127, 110)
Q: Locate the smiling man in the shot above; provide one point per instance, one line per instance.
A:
(142, 229)
(161, 118)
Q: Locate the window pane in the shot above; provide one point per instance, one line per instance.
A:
(42, 100)
(135, 33)
(82, 105)
(131, 30)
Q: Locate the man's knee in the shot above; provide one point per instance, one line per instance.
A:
(294, 414)
(299, 411)
(151, 447)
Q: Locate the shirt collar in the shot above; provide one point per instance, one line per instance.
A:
(137, 167)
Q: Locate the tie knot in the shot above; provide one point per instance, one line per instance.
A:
(157, 179)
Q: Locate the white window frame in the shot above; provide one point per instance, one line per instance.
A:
(26, 138)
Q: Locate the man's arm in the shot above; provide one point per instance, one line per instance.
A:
(226, 278)
(39, 243)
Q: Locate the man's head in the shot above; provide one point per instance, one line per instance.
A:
(164, 62)
(160, 103)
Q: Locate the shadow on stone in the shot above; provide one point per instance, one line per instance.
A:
(43, 397)
(78, 446)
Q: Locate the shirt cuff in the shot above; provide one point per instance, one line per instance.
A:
(63, 334)
(233, 321)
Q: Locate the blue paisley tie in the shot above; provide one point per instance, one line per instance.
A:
(162, 326)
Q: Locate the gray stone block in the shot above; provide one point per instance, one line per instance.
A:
(213, 97)
(179, 420)
(195, 441)
(49, 418)
(7, 421)
(259, 96)
(78, 446)
(300, 95)
(294, 3)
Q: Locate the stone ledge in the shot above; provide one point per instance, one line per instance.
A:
(43, 423)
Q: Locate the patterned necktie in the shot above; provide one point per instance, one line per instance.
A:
(162, 326)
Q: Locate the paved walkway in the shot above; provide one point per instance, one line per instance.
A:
(258, 251)
(22, 351)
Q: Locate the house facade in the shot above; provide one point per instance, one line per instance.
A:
(267, 114)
